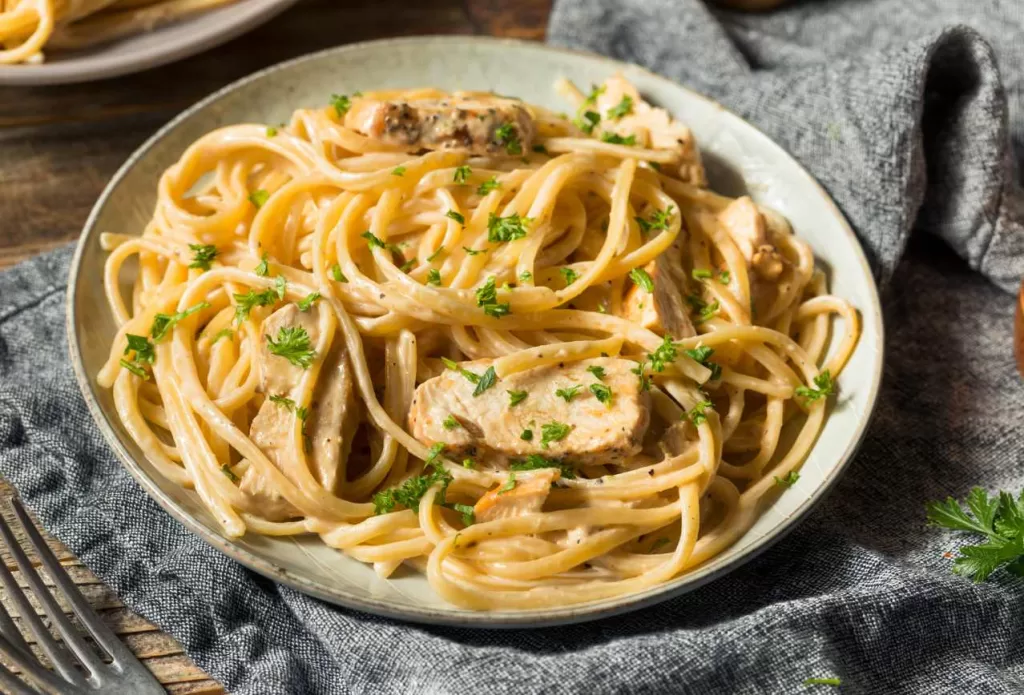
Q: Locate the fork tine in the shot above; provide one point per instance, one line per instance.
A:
(103, 635)
(14, 685)
(39, 674)
(9, 630)
(58, 655)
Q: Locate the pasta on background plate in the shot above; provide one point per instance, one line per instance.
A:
(529, 354)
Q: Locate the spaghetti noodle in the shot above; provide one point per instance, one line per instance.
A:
(528, 354)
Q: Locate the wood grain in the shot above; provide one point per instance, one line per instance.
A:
(60, 145)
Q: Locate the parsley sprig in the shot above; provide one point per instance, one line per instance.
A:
(1000, 519)
(823, 387)
(487, 298)
(553, 431)
(163, 323)
(409, 493)
(702, 353)
(504, 229)
(664, 354)
(658, 220)
(202, 255)
(293, 344)
(641, 278)
(535, 462)
(252, 298)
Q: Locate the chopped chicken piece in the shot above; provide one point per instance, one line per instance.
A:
(584, 429)
(332, 419)
(746, 226)
(526, 496)
(663, 311)
(476, 126)
(663, 131)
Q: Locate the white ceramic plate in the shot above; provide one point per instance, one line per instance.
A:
(735, 151)
(139, 52)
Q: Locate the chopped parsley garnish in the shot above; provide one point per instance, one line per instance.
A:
(823, 681)
(144, 353)
(787, 480)
(163, 323)
(702, 354)
(252, 298)
(704, 311)
(337, 274)
(723, 277)
(824, 387)
(450, 422)
(468, 463)
(659, 220)
(1000, 519)
(222, 333)
(467, 512)
(525, 276)
(373, 241)
(699, 274)
(641, 278)
(535, 462)
(507, 135)
(488, 379)
(271, 131)
(457, 216)
(569, 275)
(409, 493)
(697, 414)
(472, 252)
(602, 393)
(616, 139)
(527, 435)
(623, 108)
(553, 431)
(293, 344)
(498, 310)
(491, 184)
(452, 364)
(664, 354)
(509, 485)
(398, 171)
(506, 228)
(263, 267)
(596, 90)
(587, 121)
(202, 255)
(408, 265)
(462, 174)
(567, 394)
(598, 372)
(341, 104)
(516, 397)
(487, 298)
(433, 257)
(307, 303)
(283, 401)
(434, 277)
(259, 197)
(134, 368)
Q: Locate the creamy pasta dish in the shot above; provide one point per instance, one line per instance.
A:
(528, 354)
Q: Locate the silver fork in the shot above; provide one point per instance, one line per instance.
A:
(123, 674)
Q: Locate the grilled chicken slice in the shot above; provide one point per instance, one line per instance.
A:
(480, 126)
(488, 425)
(663, 311)
(651, 125)
(333, 414)
(746, 226)
(528, 493)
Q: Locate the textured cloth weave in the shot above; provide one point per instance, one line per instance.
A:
(906, 111)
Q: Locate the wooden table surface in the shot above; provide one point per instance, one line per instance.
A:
(60, 145)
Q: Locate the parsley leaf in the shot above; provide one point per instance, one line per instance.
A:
(283, 401)
(822, 681)
(509, 485)
(553, 431)
(433, 257)
(642, 278)
(598, 372)
(144, 353)
(450, 422)
(462, 174)
(163, 323)
(222, 333)
(587, 121)
(699, 274)
(307, 303)
(697, 414)
(616, 139)
(596, 90)
(487, 380)
(341, 104)
(602, 393)
(491, 184)
(824, 387)
(623, 108)
(704, 311)
(487, 297)
(472, 252)
(337, 274)
(467, 511)
(409, 493)
(664, 354)
(263, 267)
(516, 397)
(525, 276)
(506, 228)
(271, 131)
(1000, 519)
(567, 394)
(202, 255)
(259, 197)
(373, 241)
(507, 135)
(398, 171)
(787, 480)
(452, 364)
(434, 277)
(659, 220)
(535, 462)
(458, 217)
(569, 275)
(723, 277)
(526, 435)
(293, 344)
(702, 353)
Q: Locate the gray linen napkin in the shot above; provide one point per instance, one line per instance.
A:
(899, 109)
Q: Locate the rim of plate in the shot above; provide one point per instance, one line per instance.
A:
(458, 617)
(98, 64)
